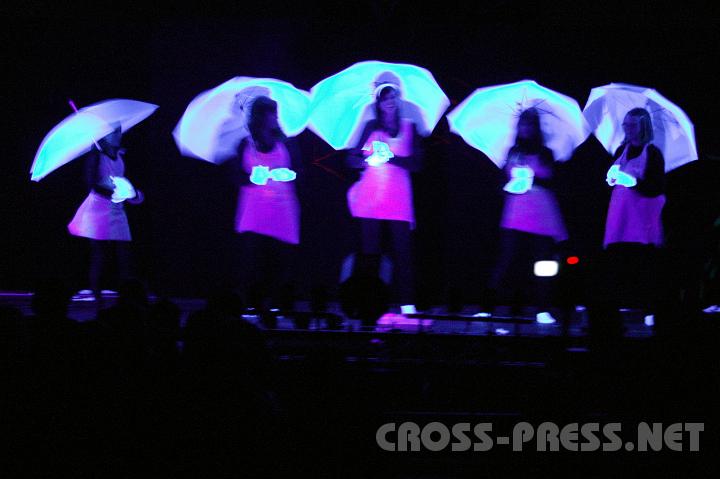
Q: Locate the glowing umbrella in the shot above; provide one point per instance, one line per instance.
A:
(215, 122)
(343, 101)
(673, 132)
(487, 119)
(78, 133)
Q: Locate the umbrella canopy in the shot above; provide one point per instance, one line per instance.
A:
(77, 133)
(673, 132)
(215, 121)
(487, 119)
(343, 102)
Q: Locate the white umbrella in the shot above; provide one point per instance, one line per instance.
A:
(673, 132)
(487, 119)
(215, 121)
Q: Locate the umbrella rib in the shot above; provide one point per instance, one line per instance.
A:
(666, 116)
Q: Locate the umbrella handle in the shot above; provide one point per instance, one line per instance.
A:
(72, 105)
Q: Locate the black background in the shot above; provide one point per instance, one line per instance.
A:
(165, 54)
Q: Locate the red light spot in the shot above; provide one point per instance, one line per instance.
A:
(573, 260)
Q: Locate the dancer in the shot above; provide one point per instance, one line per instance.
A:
(268, 211)
(633, 229)
(101, 217)
(531, 223)
(387, 151)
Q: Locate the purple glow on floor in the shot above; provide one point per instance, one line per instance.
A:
(390, 321)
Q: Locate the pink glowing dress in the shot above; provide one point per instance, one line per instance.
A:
(271, 209)
(98, 217)
(535, 211)
(385, 192)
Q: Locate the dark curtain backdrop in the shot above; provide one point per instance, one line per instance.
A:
(183, 232)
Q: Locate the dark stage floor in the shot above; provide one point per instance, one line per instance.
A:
(437, 320)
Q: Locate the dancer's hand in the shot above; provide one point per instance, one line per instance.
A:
(624, 179)
(522, 172)
(123, 190)
(282, 174)
(611, 177)
(381, 154)
(260, 175)
(518, 186)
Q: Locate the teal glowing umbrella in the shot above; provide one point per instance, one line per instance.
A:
(79, 132)
(342, 103)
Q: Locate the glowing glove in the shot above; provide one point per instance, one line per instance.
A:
(522, 172)
(617, 177)
(261, 174)
(521, 180)
(518, 186)
(623, 179)
(381, 154)
(282, 174)
(611, 177)
(123, 190)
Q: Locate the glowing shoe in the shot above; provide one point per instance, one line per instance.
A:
(84, 295)
(545, 318)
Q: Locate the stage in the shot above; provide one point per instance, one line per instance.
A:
(471, 320)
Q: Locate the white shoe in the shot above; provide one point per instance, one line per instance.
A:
(712, 309)
(408, 309)
(545, 318)
(84, 295)
(108, 292)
